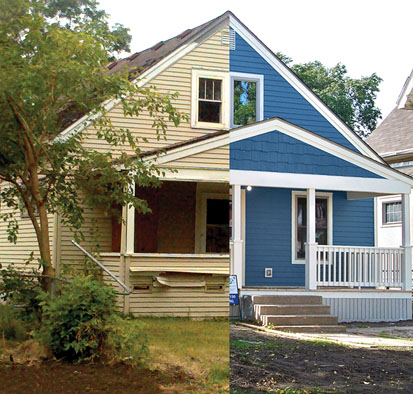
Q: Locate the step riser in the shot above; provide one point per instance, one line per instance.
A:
(287, 300)
(313, 329)
(299, 320)
(291, 310)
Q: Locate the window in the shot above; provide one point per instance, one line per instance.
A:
(217, 226)
(392, 212)
(299, 223)
(246, 98)
(209, 99)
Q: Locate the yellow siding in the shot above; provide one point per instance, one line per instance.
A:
(211, 54)
(193, 302)
(215, 158)
(26, 241)
(98, 236)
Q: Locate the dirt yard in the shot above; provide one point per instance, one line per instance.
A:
(263, 363)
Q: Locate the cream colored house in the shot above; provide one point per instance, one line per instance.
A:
(175, 260)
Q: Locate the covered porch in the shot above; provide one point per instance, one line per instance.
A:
(300, 249)
(176, 257)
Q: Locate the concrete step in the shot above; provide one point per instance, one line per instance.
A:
(299, 320)
(287, 300)
(334, 329)
(298, 309)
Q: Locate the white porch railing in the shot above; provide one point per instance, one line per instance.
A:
(353, 266)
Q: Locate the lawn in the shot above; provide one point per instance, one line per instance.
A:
(186, 357)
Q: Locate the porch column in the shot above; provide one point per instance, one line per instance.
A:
(311, 245)
(237, 257)
(130, 226)
(406, 243)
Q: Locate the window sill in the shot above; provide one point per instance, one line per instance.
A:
(209, 126)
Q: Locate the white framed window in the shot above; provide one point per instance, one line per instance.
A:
(247, 98)
(209, 99)
(392, 212)
(324, 222)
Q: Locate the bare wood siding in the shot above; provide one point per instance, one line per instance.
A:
(214, 158)
(211, 54)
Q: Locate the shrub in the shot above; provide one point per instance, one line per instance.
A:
(126, 340)
(11, 327)
(74, 324)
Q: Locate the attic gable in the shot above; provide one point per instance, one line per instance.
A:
(286, 95)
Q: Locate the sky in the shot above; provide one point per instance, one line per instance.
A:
(366, 36)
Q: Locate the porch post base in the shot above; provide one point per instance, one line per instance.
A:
(311, 266)
(238, 259)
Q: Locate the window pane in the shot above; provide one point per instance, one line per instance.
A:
(245, 102)
(217, 89)
(218, 230)
(209, 89)
(209, 112)
(202, 88)
(393, 212)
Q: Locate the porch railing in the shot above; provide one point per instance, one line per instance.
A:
(352, 266)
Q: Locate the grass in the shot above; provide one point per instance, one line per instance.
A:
(199, 348)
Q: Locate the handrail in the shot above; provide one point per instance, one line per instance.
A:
(128, 290)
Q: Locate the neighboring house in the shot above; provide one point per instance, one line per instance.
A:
(300, 180)
(393, 141)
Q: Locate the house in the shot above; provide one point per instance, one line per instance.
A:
(262, 158)
(393, 141)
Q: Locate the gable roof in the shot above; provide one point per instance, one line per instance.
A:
(152, 61)
(393, 137)
(310, 138)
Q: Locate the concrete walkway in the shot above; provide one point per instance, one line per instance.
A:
(355, 337)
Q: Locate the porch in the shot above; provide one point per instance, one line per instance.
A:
(176, 257)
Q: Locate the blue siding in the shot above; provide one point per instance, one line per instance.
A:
(280, 98)
(268, 233)
(277, 152)
(353, 221)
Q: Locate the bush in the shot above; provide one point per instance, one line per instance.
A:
(126, 340)
(74, 323)
(11, 327)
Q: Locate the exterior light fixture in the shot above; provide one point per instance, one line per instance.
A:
(249, 188)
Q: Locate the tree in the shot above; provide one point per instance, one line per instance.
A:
(53, 69)
(353, 100)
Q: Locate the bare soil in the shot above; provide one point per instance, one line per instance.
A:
(61, 377)
(262, 362)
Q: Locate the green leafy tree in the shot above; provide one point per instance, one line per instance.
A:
(53, 57)
(245, 102)
(351, 99)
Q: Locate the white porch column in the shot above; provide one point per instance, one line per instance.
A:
(311, 245)
(130, 226)
(406, 243)
(237, 250)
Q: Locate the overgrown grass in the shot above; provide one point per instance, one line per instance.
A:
(201, 348)
(10, 326)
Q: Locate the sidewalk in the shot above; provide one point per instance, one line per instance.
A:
(370, 337)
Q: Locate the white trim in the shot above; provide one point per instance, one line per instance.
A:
(294, 81)
(302, 193)
(191, 149)
(321, 143)
(210, 74)
(259, 79)
(195, 175)
(324, 182)
(407, 88)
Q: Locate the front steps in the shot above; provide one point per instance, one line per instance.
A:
(296, 313)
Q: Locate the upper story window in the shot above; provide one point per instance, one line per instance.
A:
(392, 212)
(247, 98)
(209, 99)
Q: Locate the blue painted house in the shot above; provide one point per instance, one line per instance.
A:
(303, 188)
